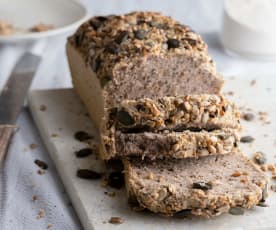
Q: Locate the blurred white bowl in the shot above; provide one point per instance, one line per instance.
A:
(64, 15)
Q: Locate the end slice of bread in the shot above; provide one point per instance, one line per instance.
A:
(207, 186)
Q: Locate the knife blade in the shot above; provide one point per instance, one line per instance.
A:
(13, 95)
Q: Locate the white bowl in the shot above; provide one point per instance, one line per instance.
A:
(252, 40)
(64, 15)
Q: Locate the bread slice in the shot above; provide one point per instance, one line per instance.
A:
(137, 55)
(173, 144)
(206, 111)
(207, 186)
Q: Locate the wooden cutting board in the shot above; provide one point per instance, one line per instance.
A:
(59, 114)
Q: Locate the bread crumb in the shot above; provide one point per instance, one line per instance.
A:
(273, 188)
(34, 198)
(41, 27)
(40, 214)
(271, 167)
(54, 135)
(33, 146)
(42, 108)
(116, 220)
(253, 82)
(5, 28)
(264, 167)
(41, 172)
(49, 226)
(236, 174)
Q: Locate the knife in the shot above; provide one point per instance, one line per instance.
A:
(14, 92)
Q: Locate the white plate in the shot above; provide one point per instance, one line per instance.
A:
(64, 15)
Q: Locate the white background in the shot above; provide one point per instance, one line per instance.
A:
(19, 180)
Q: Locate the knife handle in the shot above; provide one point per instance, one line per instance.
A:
(6, 132)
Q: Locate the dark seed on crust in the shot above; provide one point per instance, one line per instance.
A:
(173, 43)
(115, 164)
(121, 37)
(116, 220)
(88, 174)
(202, 185)
(236, 211)
(101, 18)
(192, 42)
(183, 214)
(82, 136)
(83, 152)
(96, 64)
(104, 80)
(125, 118)
(113, 48)
(259, 158)
(79, 38)
(116, 180)
(41, 164)
(248, 116)
(247, 139)
(264, 194)
(95, 24)
(140, 34)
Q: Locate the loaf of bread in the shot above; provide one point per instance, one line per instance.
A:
(173, 144)
(207, 186)
(137, 55)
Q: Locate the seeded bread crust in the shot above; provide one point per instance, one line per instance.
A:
(168, 187)
(175, 144)
(175, 114)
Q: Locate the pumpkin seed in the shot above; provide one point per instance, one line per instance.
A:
(79, 38)
(88, 174)
(248, 116)
(247, 139)
(121, 37)
(112, 48)
(192, 42)
(116, 180)
(140, 34)
(82, 136)
(104, 80)
(236, 211)
(83, 152)
(125, 118)
(173, 43)
(183, 214)
(41, 164)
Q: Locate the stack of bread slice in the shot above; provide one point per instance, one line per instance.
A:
(153, 92)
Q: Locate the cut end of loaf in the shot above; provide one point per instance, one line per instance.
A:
(222, 182)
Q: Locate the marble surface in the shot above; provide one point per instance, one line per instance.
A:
(19, 180)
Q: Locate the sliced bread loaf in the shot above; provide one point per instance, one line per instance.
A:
(137, 55)
(207, 186)
(172, 144)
